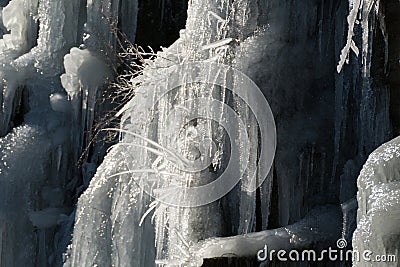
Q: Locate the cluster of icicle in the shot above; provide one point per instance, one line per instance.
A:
(116, 221)
(361, 12)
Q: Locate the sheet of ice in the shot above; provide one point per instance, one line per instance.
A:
(32, 153)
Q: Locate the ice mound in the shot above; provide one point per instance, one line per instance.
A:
(378, 216)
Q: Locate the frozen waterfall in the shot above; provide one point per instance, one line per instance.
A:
(105, 145)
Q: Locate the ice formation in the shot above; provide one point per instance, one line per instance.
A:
(379, 198)
(58, 56)
(42, 141)
(174, 227)
(360, 12)
(20, 195)
(242, 35)
(254, 38)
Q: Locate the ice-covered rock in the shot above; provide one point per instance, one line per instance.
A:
(107, 227)
(317, 230)
(237, 35)
(378, 215)
(18, 18)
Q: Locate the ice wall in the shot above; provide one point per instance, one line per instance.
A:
(33, 161)
(327, 124)
(208, 35)
(42, 136)
(23, 192)
(233, 34)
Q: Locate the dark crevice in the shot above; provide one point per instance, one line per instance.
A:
(392, 21)
(159, 22)
(21, 107)
(82, 18)
(273, 220)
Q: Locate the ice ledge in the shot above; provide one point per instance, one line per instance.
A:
(320, 228)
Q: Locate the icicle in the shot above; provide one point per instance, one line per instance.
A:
(217, 44)
(348, 207)
(351, 20)
(363, 9)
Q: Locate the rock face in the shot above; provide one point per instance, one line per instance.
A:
(378, 216)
